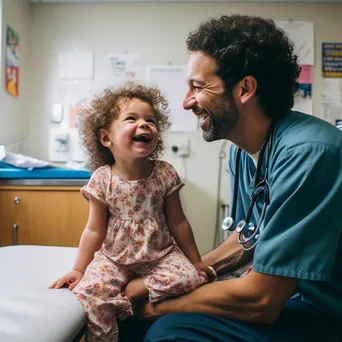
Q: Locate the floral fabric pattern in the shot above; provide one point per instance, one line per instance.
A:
(100, 291)
(137, 229)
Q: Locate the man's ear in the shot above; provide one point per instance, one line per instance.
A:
(248, 87)
(104, 138)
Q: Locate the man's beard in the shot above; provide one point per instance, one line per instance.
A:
(223, 119)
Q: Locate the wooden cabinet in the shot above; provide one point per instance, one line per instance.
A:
(42, 215)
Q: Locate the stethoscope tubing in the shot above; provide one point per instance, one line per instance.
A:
(259, 187)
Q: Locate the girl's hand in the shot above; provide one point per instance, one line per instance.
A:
(206, 271)
(70, 280)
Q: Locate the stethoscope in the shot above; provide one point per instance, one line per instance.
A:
(248, 234)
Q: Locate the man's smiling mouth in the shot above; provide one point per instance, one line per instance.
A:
(202, 116)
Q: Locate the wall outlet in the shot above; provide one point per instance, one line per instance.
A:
(182, 147)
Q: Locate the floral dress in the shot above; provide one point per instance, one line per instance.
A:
(137, 243)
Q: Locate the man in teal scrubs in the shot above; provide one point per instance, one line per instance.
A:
(241, 83)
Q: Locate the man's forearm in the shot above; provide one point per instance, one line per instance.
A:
(222, 298)
(255, 298)
(228, 257)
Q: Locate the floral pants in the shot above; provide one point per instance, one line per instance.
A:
(100, 289)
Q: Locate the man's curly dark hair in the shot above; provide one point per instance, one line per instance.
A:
(251, 46)
(106, 108)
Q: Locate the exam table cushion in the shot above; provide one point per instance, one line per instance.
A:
(29, 310)
(11, 172)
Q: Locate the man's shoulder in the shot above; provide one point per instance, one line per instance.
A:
(299, 131)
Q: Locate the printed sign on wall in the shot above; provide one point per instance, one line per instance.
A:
(332, 59)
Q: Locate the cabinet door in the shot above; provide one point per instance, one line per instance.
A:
(51, 218)
(7, 219)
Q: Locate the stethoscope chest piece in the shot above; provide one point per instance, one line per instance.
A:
(228, 224)
(242, 227)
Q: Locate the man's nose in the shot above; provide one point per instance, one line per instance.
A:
(189, 100)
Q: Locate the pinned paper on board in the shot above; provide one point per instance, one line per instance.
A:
(75, 96)
(303, 98)
(124, 65)
(74, 116)
(331, 100)
(171, 81)
(301, 33)
(75, 65)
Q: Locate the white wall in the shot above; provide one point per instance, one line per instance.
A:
(158, 32)
(14, 114)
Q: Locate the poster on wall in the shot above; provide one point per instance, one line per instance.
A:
(12, 62)
(332, 59)
(303, 98)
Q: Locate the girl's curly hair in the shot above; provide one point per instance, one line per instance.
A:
(105, 108)
(247, 45)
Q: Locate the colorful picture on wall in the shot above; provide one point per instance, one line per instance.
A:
(12, 62)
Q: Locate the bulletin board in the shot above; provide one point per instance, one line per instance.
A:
(77, 85)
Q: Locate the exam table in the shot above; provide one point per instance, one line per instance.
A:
(29, 310)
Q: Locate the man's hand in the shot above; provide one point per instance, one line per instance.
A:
(205, 271)
(145, 310)
(71, 280)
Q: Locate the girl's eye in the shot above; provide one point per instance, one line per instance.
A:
(130, 118)
(152, 121)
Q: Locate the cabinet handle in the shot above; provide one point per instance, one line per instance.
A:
(14, 233)
(17, 200)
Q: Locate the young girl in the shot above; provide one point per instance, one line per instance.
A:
(136, 227)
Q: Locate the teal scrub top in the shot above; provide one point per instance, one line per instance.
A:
(301, 235)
